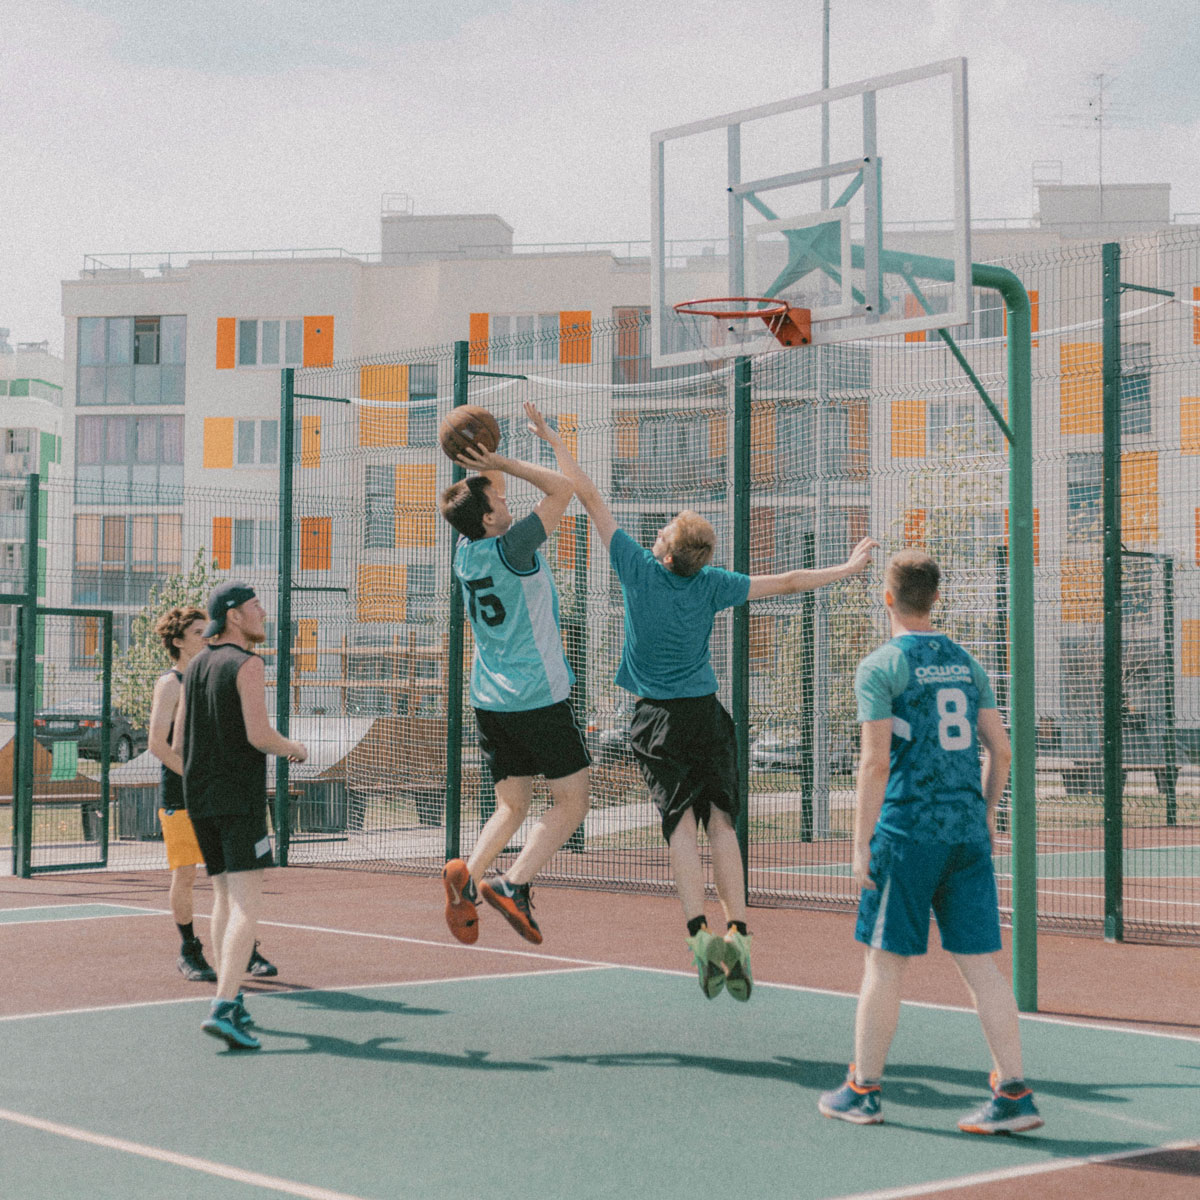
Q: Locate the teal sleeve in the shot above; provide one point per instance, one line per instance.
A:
(987, 697)
(880, 678)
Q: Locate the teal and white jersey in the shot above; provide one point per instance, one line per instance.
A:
(519, 659)
(932, 690)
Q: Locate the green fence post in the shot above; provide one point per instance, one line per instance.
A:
(454, 668)
(577, 648)
(26, 689)
(283, 609)
(1169, 746)
(106, 658)
(742, 389)
(1114, 833)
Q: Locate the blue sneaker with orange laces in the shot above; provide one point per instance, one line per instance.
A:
(1010, 1110)
(858, 1103)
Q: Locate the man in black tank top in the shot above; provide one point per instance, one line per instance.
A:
(224, 736)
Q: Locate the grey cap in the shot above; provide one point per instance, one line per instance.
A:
(221, 599)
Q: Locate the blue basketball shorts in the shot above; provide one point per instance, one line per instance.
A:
(953, 880)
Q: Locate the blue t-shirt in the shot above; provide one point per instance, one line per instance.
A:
(512, 604)
(668, 622)
(932, 690)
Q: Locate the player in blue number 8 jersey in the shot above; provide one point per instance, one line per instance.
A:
(923, 842)
(520, 683)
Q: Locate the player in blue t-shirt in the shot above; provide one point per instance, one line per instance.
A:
(520, 683)
(681, 735)
(923, 842)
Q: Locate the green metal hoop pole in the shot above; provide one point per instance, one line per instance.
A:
(26, 689)
(283, 609)
(742, 381)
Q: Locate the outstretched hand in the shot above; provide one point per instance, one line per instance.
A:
(478, 459)
(860, 556)
(537, 423)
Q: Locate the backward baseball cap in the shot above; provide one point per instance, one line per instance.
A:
(221, 599)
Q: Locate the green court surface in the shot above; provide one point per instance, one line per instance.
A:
(584, 1083)
(71, 912)
(1141, 862)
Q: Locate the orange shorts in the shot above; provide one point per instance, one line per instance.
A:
(182, 848)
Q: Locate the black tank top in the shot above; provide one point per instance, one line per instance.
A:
(170, 785)
(223, 774)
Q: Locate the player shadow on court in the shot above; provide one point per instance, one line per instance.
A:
(801, 1072)
(351, 1002)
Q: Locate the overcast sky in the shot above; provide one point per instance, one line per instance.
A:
(151, 125)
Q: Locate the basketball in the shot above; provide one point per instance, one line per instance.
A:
(468, 427)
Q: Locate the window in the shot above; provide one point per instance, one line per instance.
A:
(257, 443)
(524, 338)
(1084, 524)
(422, 399)
(128, 459)
(380, 531)
(1135, 389)
(131, 360)
(118, 559)
(270, 342)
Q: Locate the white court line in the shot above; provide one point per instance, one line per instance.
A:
(127, 910)
(1062, 1164)
(237, 1174)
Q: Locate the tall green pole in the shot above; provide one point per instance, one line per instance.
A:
(1021, 655)
(1169, 780)
(741, 615)
(283, 616)
(577, 647)
(454, 669)
(1114, 833)
(26, 689)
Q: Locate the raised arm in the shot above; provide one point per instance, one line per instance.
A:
(557, 486)
(167, 693)
(603, 522)
(806, 580)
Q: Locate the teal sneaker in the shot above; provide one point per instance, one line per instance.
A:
(242, 1016)
(223, 1022)
(708, 952)
(858, 1103)
(1009, 1111)
(736, 949)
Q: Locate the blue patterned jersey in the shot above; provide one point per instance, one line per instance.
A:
(519, 659)
(932, 690)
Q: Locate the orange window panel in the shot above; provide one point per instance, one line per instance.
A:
(908, 428)
(568, 428)
(1139, 497)
(1196, 317)
(1197, 528)
(226, 343)
(477, 355)
(718, 435)
(626, 421)
(762, 541)
(1189, 658)
(218, 441)
(762, 440)
(1034, 316)
(382, 593)
(568, 543)
(762, 639)
(310, 441)
(912, 308)
(858, 438)
(1081, 588)
(222, 542)
(384, 420)
(306, 646)
(1189, 423)
(316, 543)
(318, 341)
(91, 636)
(914, 527)
(1081, 387)
(415, 500)
(1037, 534)
(575, 337)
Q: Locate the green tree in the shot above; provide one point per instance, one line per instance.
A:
(137, 670)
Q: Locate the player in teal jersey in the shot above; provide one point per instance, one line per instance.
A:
(520, 683)
(923, 831)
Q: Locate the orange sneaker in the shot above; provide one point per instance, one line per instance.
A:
(461, 914)
(512, 902)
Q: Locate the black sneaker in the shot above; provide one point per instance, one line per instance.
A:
(259, 965)
(192, 964)
(512, 901)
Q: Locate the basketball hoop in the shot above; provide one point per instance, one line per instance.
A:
(790, 326)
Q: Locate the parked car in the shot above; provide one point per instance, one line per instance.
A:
(79, 721)
(607, 736)
(780, 747)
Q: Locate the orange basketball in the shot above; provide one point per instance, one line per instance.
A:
(468, 426)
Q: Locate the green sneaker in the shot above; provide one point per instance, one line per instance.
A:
(736, 948)
(709, 955)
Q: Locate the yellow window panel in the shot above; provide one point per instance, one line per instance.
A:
(1082, 590)
(477, 355)
(218, 441)
(306, 645)
(383, 384)
(1189, 422)
(718, 435)
(382, 593)
(908, 428)
(762, 440)
(416, 492)
(310, 441)
(1139, 497)
(1081, 387)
